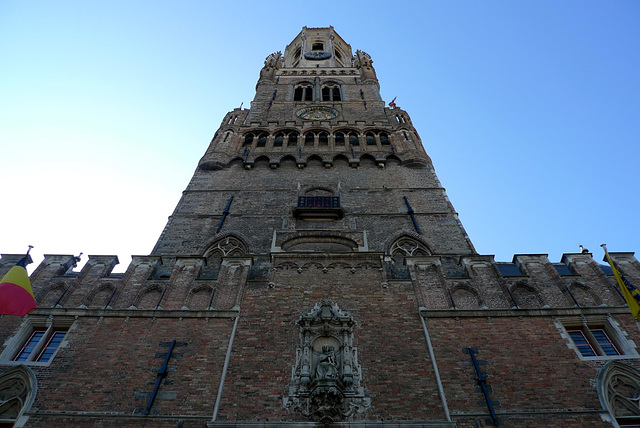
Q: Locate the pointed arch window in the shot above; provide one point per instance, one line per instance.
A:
(309, 138)
(331, 92)
(618, 385)
(293, 139)
(18, 388)
(278, 140)
(323, 139)
(303, 92)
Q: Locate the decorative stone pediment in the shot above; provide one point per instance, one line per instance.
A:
(325, 384)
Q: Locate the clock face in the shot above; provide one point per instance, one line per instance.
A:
(317, 55)
(317, 113)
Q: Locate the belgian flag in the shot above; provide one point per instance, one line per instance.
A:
(16, 295)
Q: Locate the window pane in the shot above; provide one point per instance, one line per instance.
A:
(582, 343)
(29, 345)
(607, 346)
(326, 94)
(336, 94)
(52, 345)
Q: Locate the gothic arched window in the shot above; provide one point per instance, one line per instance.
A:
(323, 139)
(331, 92)
(293, 139)
(278, 140)
(303, 92)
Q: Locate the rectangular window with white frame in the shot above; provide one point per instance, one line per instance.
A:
(596, 337)
(37, 341)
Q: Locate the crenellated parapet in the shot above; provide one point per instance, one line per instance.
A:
(149, 283)
(530, 281)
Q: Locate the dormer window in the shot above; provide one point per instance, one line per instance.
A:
(317, 46)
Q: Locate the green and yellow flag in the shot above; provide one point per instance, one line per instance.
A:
(629, 291)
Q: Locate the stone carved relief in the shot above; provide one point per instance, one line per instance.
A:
(619, 390)
(17, 392)
(326, 378)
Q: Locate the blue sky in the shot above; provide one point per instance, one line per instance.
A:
(530, 111)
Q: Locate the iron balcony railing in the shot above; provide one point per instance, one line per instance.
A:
(318, 201)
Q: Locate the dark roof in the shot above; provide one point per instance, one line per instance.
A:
(509, 269)
(562, 269)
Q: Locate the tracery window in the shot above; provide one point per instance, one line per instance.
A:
(618, 389)
(303, 92)
(331, 92)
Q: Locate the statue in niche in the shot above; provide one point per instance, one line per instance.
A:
(327, 367)
(326, 378)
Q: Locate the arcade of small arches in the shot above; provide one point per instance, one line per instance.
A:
(317, 138)
(316, 159)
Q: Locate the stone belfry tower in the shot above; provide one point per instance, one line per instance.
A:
(318, 164)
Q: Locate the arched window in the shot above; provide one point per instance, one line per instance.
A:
(309, 138)
(384, 139)
(323, 139)
(293, 139)
(317, 46)
(248, 139)
(339, 139)
(331, 92)
(371, 139)
(303, 92)
(353, 139)
(262, 139)
(278, 140)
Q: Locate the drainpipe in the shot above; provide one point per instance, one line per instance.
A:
(435, 369)
(224, 369)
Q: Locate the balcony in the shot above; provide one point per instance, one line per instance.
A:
(318, 208)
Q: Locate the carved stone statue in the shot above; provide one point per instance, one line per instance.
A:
(325, 384)
(327, 367)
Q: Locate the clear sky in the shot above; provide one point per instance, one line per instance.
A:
(530, 111)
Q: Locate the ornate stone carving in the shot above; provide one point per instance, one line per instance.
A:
(619, 390)
(325, 383)
(17, 392)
